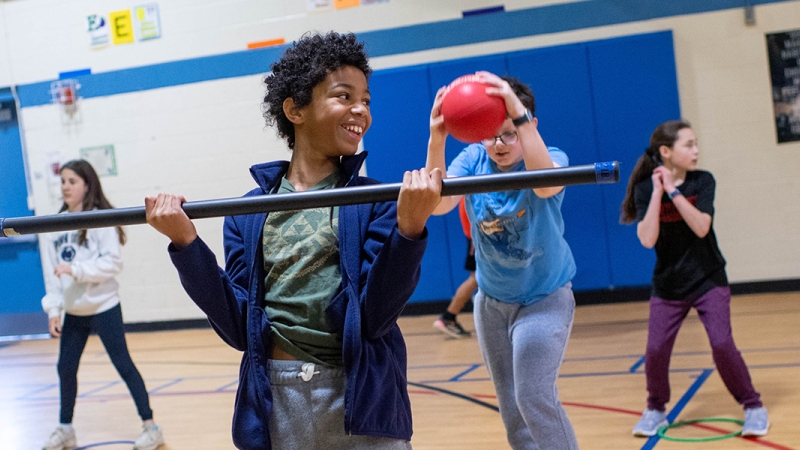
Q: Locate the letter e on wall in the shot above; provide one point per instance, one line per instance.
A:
(121, 27)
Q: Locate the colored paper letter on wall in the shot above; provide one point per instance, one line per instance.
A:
(121, 27)
(341, 4)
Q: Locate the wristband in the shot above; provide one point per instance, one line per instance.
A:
(674, 194)
(524, 118)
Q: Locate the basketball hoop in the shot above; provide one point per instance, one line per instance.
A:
(65, 93)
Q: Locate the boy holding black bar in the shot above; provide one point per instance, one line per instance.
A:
(312, 297)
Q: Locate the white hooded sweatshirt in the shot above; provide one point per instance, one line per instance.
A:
(92, 288)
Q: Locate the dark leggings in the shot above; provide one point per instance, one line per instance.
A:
(74, 333)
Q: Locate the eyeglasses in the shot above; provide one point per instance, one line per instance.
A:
(508, 138)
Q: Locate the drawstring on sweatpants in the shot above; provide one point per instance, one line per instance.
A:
(307, 372)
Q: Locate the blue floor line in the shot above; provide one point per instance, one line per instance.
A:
(101, 388)
(164, 386)
(38, 391)
(602, 358)
(594, 374)
(103, 444)
(466, 372)
(613, 357)
(226, 386)
(638, 364)
(676, 410)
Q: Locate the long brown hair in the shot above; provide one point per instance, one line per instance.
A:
(94, 197)
(664, 134)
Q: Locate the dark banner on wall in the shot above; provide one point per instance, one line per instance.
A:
(784, 65)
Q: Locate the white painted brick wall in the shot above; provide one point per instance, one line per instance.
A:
(200, 139)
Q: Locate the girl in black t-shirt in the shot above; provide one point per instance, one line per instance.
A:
(673, 205)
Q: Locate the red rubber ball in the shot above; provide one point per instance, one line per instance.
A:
(470, 115)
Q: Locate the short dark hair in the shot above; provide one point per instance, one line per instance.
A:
(302, 67)
(523, 91)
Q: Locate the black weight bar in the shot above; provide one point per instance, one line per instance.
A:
(597, 173)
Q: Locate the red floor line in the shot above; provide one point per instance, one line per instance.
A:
(410, 391)
(754, 440)
(764, 443)
(493, 397)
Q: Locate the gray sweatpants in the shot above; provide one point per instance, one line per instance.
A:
(523, 347)
(308, 410)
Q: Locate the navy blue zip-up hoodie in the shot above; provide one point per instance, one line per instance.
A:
(380, 269)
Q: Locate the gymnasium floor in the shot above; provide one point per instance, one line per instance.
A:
(192, 377)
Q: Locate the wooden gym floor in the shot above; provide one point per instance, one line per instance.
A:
(192, 377)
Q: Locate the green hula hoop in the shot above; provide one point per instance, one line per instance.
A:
(662, 432)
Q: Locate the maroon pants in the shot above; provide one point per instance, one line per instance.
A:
(666, 317)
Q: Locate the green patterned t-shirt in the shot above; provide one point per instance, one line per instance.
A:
(301, 259)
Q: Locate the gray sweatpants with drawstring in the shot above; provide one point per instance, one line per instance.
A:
(523, 347)
(308, 410)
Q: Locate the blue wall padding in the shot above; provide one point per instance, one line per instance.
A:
(635, 88)
(21, 283)
(397, 141)
(442, 74)
(560, 79)
(21, 278)
(14, 201)
(597, 101)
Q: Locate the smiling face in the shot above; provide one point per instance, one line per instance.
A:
(506, 156)
(684, 152)
(73, 189)
(338, 116)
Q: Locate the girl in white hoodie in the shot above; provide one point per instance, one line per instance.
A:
(79, 270)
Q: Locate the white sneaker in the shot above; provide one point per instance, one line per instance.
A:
(650, 422)
(150, 439)
(755, 422)
(61, 439)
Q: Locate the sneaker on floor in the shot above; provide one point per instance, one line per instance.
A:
(451, 328)
(650, 422)
(150, 439)
(61, 439)
(755, 422)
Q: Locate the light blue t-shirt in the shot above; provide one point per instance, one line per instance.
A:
(520, 252)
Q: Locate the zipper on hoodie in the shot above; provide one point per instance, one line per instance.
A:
(348, 414)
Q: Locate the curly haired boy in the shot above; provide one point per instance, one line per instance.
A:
(311, 297)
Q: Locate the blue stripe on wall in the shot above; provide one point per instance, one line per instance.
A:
(174, 73)
(74, 74)
(393, 41)
(478, 12)
(535, 21)
(6, 95)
